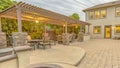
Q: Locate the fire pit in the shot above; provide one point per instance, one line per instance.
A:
(45, 66)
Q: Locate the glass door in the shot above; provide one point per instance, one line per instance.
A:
(107, 31)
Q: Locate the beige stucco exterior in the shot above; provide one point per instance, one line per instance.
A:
(110, 19)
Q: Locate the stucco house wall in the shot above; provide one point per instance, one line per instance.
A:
(110, 19)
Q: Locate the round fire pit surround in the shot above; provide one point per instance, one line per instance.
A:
(45, 66)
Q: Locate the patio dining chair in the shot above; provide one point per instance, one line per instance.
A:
(45, 42)
(73, 37)
(70, 37)
(80, 37)
(59, 38)
(31, 44)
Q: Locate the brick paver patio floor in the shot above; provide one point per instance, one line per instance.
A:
(101, 53)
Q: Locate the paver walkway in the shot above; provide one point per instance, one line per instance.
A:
(101, 53)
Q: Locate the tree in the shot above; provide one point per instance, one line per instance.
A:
(75, 16)
(11, 25)
(76, 27)
(6, 3)
(34, 29)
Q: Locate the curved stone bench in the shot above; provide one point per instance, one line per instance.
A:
(10, 60)
(7, 58)
(5, 52)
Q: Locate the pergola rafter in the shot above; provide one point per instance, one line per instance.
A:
(23, 11)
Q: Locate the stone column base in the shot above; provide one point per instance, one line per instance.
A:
(3, 41)
(65, 39)
(19, 39)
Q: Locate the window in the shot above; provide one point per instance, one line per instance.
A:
(97, 30)
(118, 11)
(117, 29)
(97, 14)
(91, 15)
(102, 13)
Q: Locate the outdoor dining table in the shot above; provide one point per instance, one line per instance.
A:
(35, 42)
(39, 42)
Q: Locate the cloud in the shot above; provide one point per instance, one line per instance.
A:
(66, 7)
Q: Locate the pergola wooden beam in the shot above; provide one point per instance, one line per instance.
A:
(40, 12)
(23, 11)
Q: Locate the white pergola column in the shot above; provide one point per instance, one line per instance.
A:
(66, 32)
(81, 27)
(66, 27)
(0, 25)
(88, 29)
(45, 28)
(19, 18)
(63, 28)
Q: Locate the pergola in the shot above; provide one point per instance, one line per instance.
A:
(24, 11)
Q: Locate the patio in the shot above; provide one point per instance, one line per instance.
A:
(20, 51)
(100, 53)
(58, 55)
(95, 53)
(23, 11)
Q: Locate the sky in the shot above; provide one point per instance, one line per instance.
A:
(66, 7)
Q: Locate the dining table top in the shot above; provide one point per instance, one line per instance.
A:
(36, 40)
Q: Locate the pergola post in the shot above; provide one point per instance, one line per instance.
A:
(63, 28)
(66, 33)
(0, 25)
(81, 28)
(19, 18)
(88, 29)
(45, 28)
(66, 27)
(73, 29)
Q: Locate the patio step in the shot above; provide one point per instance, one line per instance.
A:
(6, 54)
